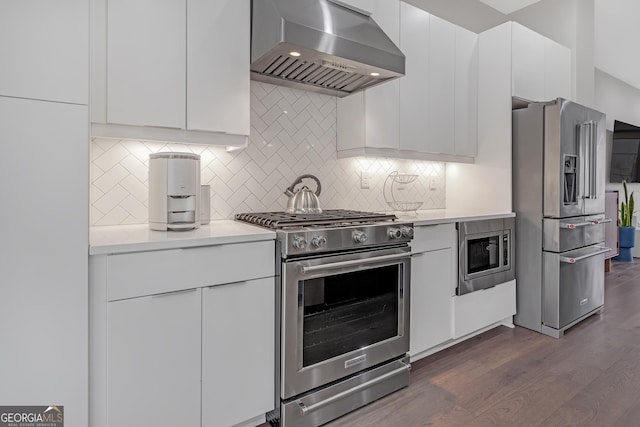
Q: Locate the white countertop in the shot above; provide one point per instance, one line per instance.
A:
(443, 216)
(135, 238)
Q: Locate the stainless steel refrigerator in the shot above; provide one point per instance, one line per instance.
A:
(558, 196)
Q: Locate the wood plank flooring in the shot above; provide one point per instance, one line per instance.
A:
(516, 377)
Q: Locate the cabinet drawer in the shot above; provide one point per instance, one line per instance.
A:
(479, 309)
(148, 273)
(433, 237)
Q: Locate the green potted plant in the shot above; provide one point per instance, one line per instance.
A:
(627, 232)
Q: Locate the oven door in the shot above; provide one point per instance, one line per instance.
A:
(342, 314)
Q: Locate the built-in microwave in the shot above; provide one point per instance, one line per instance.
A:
(485, 253)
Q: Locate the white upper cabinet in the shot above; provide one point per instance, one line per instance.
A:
(441, 78)
(557, 70)
(218, 66)
(45, 50)
(416, 116)
(414, 33)
(541, 68)
(372, 118)
(381, 102)
(527, 63)
(146, 55)
(166, 70)
(466, 93)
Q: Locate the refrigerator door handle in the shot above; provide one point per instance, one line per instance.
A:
(577, 225)
(590, 132)
(571, 260)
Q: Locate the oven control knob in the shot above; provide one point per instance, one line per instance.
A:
(395, 233)
(299, 242)
(359, 236)
(407, 232)
(319, 241)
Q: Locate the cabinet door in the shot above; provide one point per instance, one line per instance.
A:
(238, 351)
(414, 36)
(441, 81)
(153, 360)
(466, 93)
(431, 299)
(45, 50)
(217, 69)
(44, 149)
(557, 70)
(382, 109)
(527, 63)
(146, 57)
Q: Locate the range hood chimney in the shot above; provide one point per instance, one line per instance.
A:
(324, 46)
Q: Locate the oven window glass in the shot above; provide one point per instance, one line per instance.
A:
(483, 254)
(349, 311)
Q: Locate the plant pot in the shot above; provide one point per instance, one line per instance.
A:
(627, 240)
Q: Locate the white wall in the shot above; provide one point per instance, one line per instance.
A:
(619, 101)
(617, 34)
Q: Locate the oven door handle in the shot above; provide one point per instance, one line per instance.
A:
(311, 268)
(304, 409)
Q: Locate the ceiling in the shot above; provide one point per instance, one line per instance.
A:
(508, 6)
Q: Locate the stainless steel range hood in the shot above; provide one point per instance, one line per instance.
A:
(320, 45)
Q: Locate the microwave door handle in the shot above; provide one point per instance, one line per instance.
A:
(505, 252)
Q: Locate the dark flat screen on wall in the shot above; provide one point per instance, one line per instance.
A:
(625, 153)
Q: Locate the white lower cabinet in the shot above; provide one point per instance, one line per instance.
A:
(196, 350)
(238, 340)
(431, 310)
(439, 317)
(153, 360)
(484, 308)
(433, 261)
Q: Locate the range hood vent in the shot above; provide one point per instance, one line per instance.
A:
(320, 45)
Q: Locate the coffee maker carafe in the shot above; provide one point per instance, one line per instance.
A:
(174, 191)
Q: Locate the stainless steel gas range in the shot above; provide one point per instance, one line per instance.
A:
(343, 285)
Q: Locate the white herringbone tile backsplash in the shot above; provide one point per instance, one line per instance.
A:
(293, 132)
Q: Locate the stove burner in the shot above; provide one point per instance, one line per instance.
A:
(336, 218)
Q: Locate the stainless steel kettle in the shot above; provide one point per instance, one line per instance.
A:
(303, 201)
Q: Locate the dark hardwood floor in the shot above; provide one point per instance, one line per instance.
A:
(516, 377)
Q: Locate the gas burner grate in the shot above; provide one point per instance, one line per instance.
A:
(336, 217)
